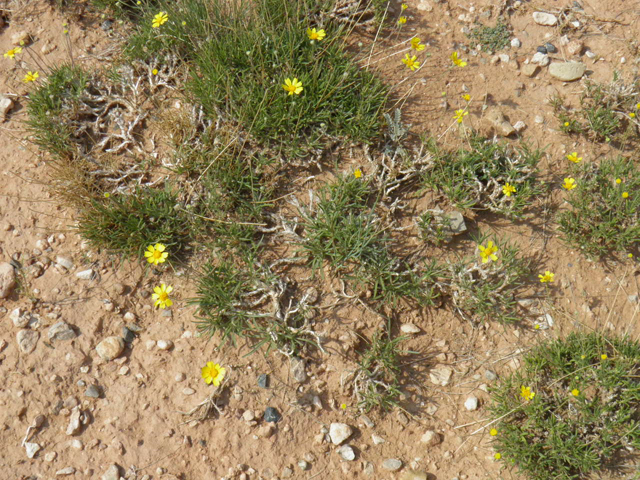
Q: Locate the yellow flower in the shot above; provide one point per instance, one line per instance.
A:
(213, 373)
(603, 356)
(404, 6)
(566, 124)
(184, 23)
(537, 326)
(402, 20)
(632, 115)
(583, 357)
(493, 432)
(630, 255)
(460, 114)
(154, 71)
(575, 392)
(314, 34)
(343, 406)
(497, 456)
(357, 173)
(160, 19)
(456, 61)
(618, 181)
(156, 253)
(31, 77)
(466, 97)
(488, 252)
(638, 106)
(526, 393)
(107, 194)
(416, 45)
(625, 194)
(292, 86)
(508, 189)
(569, 183)
(13, 52)
(547, 277)
(161, 296)
(574, 157)
(410, 61)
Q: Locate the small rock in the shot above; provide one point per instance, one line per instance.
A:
(588, 53)
(471, 404)
(77, 444)
(516, 43)
(112, 473)
(61, 331)
(575, 47)
(6, 104)
(20, 38)
(440, 375)
(539, 119)
(546, 19)
(519, 126)
(298, 370)
(74, 421)
(542, 49)
(551, 48)
(93, 391)
(499, 122)
(48, 48)
(85, 274)
(540, 59)
(188, 391)
(272, 415)
(490, 375)
(392, 464)
(27, 340)
(377, 439)
(567, 71)
(425, 6)
(303, 465)
(64, 262)
(19, 318)
(263, 380)
(65, 471)
(367, 421)
(347, 453)
(38, 421)
(339, 432)
(32, 449)
(530, 69)
(124, 370)
(248, 416)
(266, 431)
(409, 328)
(128, 335)
(504, 58)
(110, 348)
(7, 272)
(50, 457)
(287, 472)
(633, 298)
(413, 475)
(165, 344)
(430, 438)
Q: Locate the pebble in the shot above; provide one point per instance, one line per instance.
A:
(551, 48)
(471, 403)
(440, 375)
(77, 444)
(495, 116)
(567, 71)
(575, 47)
(266, 431)
(347, 453)
(541, 59)
(590, 54)
(546, 19)
(367, 421)
(516, 43)
(413, 475)
(430, 438)
(377, 439)
(6, 104)
(542, 49)
(74, 421)
(530, 69)
(180, 377)
(61, 331)
(539, 119)
(248, 416)
(409, 328)
(50, 456)
(110, 348)
(392, 464)
(150, 344)
(128, 335)
(633, 298)
(48, 48)
(93, 391)
(20, 38)
(504, 58)
(271, 415)
(65, 471)
(339, 432)
(188, 391)
(303, 465)
(490, 375)
(19, 318)
(27, 340)
(124, 370)
(7, 272)
(263, 380)
(298, 370)
(112, 473)
(32, 449)
(85, 274)
(519, 126)
(64, 262)
(165, 344)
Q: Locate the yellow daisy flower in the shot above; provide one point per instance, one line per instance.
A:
(547, 277)
(526, 393)
(160, 19)
(156, 253)
(314, 34)
(460, 114)
(416, 45)
(31, 77)
(574, 157)
(13, 52)
(508, 189)
(213, 373)
(410, 61)
(161, 296)
(488, 252)
(457, 61)
(292, 86)
(569, 183)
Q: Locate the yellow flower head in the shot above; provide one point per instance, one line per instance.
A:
(460, 114)
(575, 392)
(618, 181)
(404, 6)
(292, 86)
(154, 71)
(604, 356)
(107, 194)
(31, 77)
(497, 456)
(457, 61)
(488, 252)
(566, 124)
(184, 23)
(526, 393)
(402, 20)
(161, 296)
(638, 106)
(416, 45)
(410, 61)
(508, 189)
(630, 255)
(357, 173)
(343, 406)
(13, 52)
(314, 34)
(574, 157)
(537, 326)
(625, 194)
(547, 277)
(213, 373)
(160, 19)
(493, 432)
(632, 115)
(466, 97)
(569, 183)
(156, 253)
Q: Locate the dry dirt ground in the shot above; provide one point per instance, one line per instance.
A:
(136, 421)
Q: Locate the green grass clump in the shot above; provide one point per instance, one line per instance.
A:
(128, 223)
(585, 415)
(474, 176)
(491, 39)
(600, 220)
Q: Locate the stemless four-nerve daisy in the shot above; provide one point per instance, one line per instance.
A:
(357, 173)
(402, 20)
(156, 253)
(410, 61)
(460, 114)
(526, 393)
(13, 52)
(569, 183)
(547, 277)
(457, 61)
(292, 86)
(314, 34)
(160, 19)
(213, 373)
(416, 45)
(488, 252)
(508, 189)
(31, 77)
(161, 296)
(574, 157)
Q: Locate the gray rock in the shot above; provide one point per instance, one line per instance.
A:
(546, 19)
(516, 43)
(32, 449)
(367, 421)
(530, 69)
(110, 348)
(471, 403)
(303, 465)
(430, 438)
(6, 104)
(339, 432)
(541, 59)
(65, 471)
(271, 415)
(490, 375)
(93, 391)
(7, 272)
(347, 453)
(85, 274)
(19, 318)
(413, 475)
(61, 331)
(440, 375)
(551, 48)
(567, 71)
(298, 370)
(263, 380)
(27, 340)
(64, 262)
(128, 335)
(409, 328)
(377, 439)
(112, 473)
(499, 122)
(74, 421)
(633, 298)
(392, 464)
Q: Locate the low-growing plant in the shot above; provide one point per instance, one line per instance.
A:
(572, 410)
(604, 208)
(480, 176)
(491, 39)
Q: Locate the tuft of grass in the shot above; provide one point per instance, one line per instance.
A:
(491, 39)
(128, 223)
(600, 220)
(474, 176)
(584, 417)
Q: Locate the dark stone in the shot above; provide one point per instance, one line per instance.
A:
(92, 391)
(263, 380)
(106, 25)
(127, 335)
(542, 49)
(272, 415)
(551, 48)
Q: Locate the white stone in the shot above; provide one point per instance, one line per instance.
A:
(377, 439)
(32, 449)
(64, 262)
(19, 319)
(112, 473)
(6, 104)
(430, 438)
(346, 452)
(74, 421)
(110, 348)
(471, 404)
(165, 344)
(519, 126)
(516, 43)
(541, 59)
(567, 71)
(339, 432)
(546, 19)
(27, 340)
(392, 464)
(440, 375)
(504, 58)
(409, 328)
(85, 274)
(7, 272)
(65, 471)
